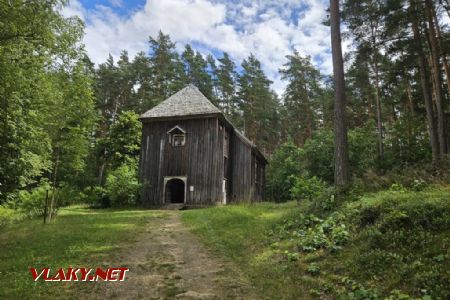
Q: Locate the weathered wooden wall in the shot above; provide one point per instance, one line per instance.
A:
(241, 183)
(260, 178)
(200, 160)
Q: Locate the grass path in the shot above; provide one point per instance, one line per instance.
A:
(166, 260)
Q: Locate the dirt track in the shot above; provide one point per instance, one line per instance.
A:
(169, 262)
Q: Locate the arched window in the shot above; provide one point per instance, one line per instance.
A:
(177, 136)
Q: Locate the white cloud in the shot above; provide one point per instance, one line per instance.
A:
(265, 28)
(116, 3)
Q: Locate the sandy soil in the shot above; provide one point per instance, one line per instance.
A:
(168, 262)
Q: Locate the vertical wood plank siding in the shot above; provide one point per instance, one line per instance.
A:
(241, 156)
(200, 160)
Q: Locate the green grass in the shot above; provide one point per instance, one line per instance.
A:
(382, 245)
(239, 233)
(78, 237)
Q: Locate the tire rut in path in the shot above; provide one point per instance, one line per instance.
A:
(169, 262)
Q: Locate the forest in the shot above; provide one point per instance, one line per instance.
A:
(70, 129)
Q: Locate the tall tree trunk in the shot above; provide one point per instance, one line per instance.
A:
(436, 79)
(378, 104)
(54, 180)
(425, 87)
(341, 168)
(442, 53)
(100, 173)
(410, 98)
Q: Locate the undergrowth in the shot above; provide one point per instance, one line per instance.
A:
(390, 245)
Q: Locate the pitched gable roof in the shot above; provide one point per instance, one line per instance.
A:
(187, 102)
(191, 102)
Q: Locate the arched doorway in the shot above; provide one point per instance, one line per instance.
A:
(175, 191)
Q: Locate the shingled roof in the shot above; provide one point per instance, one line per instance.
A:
(191, 102)
(187, 102)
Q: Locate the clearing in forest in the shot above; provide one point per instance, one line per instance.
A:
(168, 261)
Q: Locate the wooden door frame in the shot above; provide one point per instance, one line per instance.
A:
(167, 179)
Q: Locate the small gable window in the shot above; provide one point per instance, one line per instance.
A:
(177, 136)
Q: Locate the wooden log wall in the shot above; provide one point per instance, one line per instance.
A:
(200, 160)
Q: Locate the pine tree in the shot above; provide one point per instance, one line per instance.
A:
(213, 72)
(424, 82)
(360, 90)
(341, 165)
(436, 78)
(166, 68)
(300, 97)
(366, 23)
(227, 86)
(196, 71)
(259, 105)
(142, 91)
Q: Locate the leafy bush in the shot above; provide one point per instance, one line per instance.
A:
(362, 153)
(305, 188)
(9, 216)
(97, 196)
(371, 248)
(397, 187)
(125, 138)
(414, 177)
(285, 163)
(409, 140)
(68, 194)
(310, 233)
(31, 203)
(418, 185)
(122, 186)
(321, 196)
(319, 152)
(356, 291)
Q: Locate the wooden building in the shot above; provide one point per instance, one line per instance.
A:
(191, 154)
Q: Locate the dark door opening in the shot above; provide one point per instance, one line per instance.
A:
(175, 191)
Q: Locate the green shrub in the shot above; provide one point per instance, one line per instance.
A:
(397, 187)
(9, 216)
(68, 194)
(313, 269)
(418, 185)
(31, 203)
(125, 138)
(322, 198)
(305, 188)
(310, 233)
(383, 242)
(285, 163)
(362, 153)
(122, 186)
(97, 196)
(319, 152)
(414, 177)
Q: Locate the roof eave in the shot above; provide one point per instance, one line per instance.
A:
(181, 117)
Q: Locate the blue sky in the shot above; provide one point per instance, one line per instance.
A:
(270, 29)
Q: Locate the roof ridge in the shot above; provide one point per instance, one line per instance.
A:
(186, 102)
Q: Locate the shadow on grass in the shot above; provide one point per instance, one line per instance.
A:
(78, 237)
